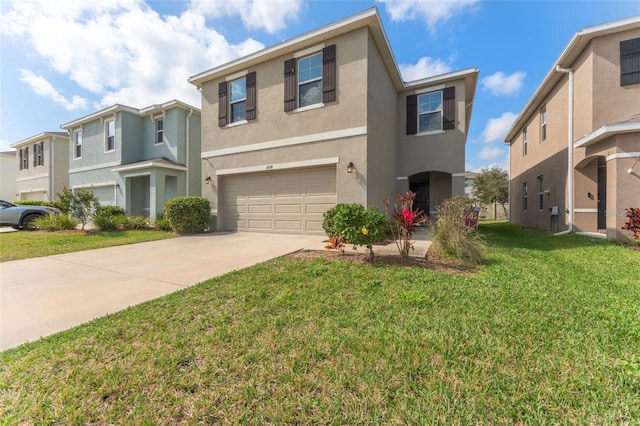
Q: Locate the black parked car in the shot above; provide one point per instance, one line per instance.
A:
(20, 216)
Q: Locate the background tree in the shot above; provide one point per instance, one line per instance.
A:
(492, 187)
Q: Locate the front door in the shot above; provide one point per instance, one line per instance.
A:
(602, 193)
(422, 196)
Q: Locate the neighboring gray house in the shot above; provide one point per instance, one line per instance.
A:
(8, 168)
(42, 166)
(136, 158)
(325, 118)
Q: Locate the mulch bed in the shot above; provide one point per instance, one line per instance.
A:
(432, 262)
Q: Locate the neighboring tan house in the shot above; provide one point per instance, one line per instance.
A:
(325, 118)
(581, 177)
(43, 166)
(8, 168)
(136, 158)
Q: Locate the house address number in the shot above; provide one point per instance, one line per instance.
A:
(269, 167)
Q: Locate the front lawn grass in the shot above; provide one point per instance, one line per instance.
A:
(547, 332)
(28, 244)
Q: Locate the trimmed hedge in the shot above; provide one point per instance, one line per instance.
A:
(188, 215)
(35, 203)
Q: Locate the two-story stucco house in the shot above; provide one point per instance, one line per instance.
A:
(326, 118)
(136, 158)
(8, 172)
(42, 166)
(574, 148)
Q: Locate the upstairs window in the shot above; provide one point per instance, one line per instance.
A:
(431, 112)
(237, 100)
(524, 141)
(77, 144)
(24, 158)
(109, 135)
(159, 131)
(310, 80)
(543, 123)
(630, 62)
(38, 154)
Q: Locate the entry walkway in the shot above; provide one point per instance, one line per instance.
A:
(42, 296)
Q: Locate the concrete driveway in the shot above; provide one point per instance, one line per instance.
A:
(42, 296)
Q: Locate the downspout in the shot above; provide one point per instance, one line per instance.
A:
(570, 151)
(186, 142)
(52, 169)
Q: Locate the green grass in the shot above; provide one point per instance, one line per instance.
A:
(547, 332)
(28, 244)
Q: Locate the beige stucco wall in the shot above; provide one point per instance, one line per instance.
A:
(8, 169)
(43, 182)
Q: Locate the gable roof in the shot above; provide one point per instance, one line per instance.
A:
(39, 137)
(577, 44)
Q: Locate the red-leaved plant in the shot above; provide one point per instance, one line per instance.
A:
(404, 220)
(633, 222)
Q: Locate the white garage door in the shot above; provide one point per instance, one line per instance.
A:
(105, 195)
(280, 201)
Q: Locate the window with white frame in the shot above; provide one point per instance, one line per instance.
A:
(310, 80)
(543, 123)
(540, 193)
(159, 131)
(430, 112)
(109, 135)
(238, 100)
(524, 141)
(77, 144)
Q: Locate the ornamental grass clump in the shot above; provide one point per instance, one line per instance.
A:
(404, 220)
(452, 238)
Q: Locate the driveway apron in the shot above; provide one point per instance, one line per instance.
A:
(42, 296)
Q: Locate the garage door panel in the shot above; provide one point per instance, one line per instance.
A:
(279, 201)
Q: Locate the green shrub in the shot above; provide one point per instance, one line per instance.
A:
(56, 222)
(162, 223)
(452, 238)
(110, 211)
(357, 225)
(34, 203)
(106, 222)
(188, 214)
(137, 222)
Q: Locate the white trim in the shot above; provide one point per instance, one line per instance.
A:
(308, 51)
(236, 76)
(298, 140)
(604, 131)
(402, 178)
(138, 174)
(432, 132)
(463, 174)
(236, 123)
(308, 107)
(147, 165)
(29, 191)
(94, 185)
(623, 155)
(40, 176)
(429, 89)
(280, 166)
(585, 210)
(94, 167)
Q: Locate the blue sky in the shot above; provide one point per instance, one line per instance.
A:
(63, 59)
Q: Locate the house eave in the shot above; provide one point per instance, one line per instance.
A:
(148, 165)
(576, 45)
(100, 114)
(39, 137)
(174, 103)
(606, 131)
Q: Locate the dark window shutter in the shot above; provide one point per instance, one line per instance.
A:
(251, 95)
(329, 73)
(290, 84)
(35, 155)
(223, 104)
(449, 108)
(412, 114)
(20, 160)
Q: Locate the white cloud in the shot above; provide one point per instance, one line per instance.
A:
(5, 145)
(269, 15)
(425, 67)
(500, 84)
(42, 87)
(433, 12)
(122, 51)
(490, 153)
(497, 128)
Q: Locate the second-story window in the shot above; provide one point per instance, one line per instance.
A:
(24, 158)
(430, 112)
(159, 131)
(630, 62)
(77, 144)
(524, 141)
(310, 80)
(109, 135)
(543, 123)
(238, 100)
(38, 154)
